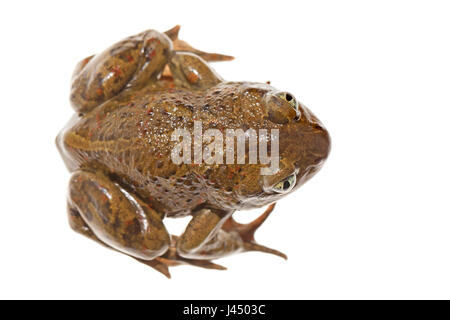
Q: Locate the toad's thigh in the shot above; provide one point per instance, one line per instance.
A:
(116, 217)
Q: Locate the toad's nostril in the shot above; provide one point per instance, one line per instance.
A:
(319, 127)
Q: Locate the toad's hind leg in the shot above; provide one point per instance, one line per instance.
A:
(77, 223)
(188, 67)
(115, 217)
(180, 45)
(102, 211)
(133, 61)
(161, 263)
(171, 259)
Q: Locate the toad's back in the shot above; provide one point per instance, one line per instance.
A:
(129, 100)
(130, 137)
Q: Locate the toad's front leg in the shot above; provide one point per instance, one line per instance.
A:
(213, 234)
(115, 217)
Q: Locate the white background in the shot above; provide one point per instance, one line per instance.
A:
(374, 223)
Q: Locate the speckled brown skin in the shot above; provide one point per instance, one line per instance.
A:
(119, 147)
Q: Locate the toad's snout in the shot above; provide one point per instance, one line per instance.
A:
(320, 145)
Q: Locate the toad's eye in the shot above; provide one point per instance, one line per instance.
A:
(285, 185)
(289, 98)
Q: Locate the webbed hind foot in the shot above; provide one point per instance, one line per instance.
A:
(180, 45)
(172, 259)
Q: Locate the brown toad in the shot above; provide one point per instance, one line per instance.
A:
(129, 101)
